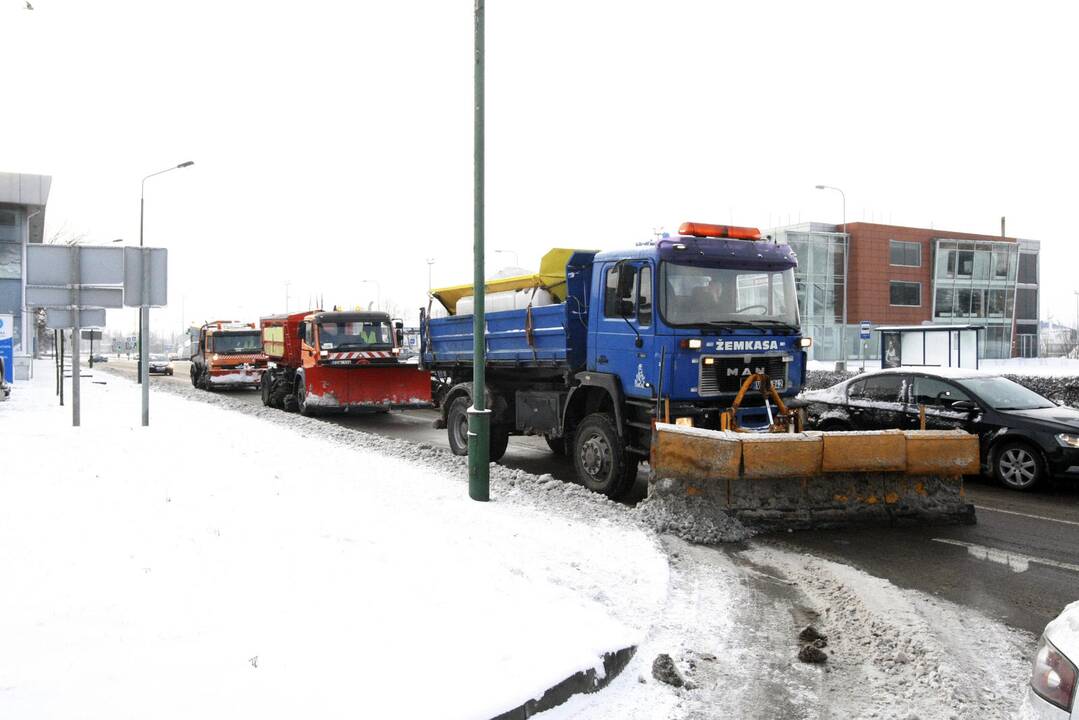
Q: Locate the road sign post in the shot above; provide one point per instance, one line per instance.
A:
(145, 286)
(866, 332)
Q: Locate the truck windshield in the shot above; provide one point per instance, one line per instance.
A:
(336, 335)
(241, 342)
(694, 295)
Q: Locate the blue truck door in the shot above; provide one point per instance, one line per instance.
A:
(625, 316)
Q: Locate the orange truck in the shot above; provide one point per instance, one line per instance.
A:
(339, 362)
(226, 354)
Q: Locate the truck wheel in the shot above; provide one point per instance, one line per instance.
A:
(264, 387)
(500, 440)
(194, 376)
(301, 399)
(457, 426)
(600, 457)
(557, 444)
(288, 402)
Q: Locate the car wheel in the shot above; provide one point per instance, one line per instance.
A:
(600, 457)
(457, 426)
(1018, 466)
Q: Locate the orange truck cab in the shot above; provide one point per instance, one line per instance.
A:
(339, 361)
(226, 353)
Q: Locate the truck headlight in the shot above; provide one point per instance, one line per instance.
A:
(1068, 440)
(1053, 676)
(805, 343)
(214, 357)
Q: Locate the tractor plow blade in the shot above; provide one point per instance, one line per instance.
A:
(815, 479)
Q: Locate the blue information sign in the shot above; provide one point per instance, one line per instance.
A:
(867, 330)
(7, 358)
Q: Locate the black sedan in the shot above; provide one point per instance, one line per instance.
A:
(1024, 436)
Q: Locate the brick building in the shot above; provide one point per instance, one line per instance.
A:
(899, 275)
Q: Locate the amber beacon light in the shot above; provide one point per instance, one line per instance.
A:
(719, 231)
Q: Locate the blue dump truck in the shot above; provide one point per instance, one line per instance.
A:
(597, 347)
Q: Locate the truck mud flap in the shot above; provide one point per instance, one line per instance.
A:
(815, 479)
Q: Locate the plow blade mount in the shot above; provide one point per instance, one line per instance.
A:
(816, 479)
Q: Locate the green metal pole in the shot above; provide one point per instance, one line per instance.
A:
(479, 417)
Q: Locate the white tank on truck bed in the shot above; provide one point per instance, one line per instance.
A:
(507, 300)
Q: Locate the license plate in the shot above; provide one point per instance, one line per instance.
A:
(777, 384)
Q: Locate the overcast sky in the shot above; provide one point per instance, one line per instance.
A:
(333, 140)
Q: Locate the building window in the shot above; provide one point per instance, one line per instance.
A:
(908, 254)
(907, 294)
(945, 303)
(1026, 304)
(7, 218)
(1028, 268)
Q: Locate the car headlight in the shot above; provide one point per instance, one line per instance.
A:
(1053, 676)
(1068, 440)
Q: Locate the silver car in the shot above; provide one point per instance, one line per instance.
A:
(1054, 674)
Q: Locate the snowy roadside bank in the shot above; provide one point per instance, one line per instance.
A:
(216, 565)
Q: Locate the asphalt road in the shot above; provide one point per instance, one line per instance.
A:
(1019, 564)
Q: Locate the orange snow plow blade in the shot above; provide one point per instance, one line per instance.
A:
(817, 479)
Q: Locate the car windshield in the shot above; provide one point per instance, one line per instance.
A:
(159, 358)
(237, 342)
(692, 295)
(1003, 394)
(354, 333)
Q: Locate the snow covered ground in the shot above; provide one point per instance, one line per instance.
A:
(216, 565)
(234, 561)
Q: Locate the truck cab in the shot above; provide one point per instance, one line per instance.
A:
(689, 318)
(226, 353)
(339, 361)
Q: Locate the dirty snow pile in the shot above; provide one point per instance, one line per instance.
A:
(907, 654)
(217, 565)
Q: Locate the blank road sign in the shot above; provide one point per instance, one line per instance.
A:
(62, 297)
(133, 277)
(91, 334)
(62, 319)
(54, 264)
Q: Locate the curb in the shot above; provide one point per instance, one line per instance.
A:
(582, 682)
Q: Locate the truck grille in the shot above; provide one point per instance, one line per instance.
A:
(727, 373)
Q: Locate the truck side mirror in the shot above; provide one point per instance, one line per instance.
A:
(400, 336)
(399, 325)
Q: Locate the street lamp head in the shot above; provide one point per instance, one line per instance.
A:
(189, 163)
(822, 187)
(118, 240)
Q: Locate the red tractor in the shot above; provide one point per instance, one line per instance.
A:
(338, 362)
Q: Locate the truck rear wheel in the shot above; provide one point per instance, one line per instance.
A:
(264, 387)
(600, 457)
(457, 426)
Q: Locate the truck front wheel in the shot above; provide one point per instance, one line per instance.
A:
(302, 405)
(600, 457)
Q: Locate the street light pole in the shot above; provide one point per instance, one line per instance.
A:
(479, 417)
(144, 310)
(846, 267)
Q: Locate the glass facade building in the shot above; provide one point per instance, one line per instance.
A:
(894, 275)
(22, 217)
